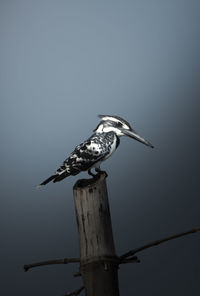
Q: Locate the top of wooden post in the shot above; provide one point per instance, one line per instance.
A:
(97, 179)
(93, 218)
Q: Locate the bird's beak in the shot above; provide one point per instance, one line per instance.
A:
(134, 135)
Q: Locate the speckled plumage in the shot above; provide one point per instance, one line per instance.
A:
(97, 148)
(87, 155)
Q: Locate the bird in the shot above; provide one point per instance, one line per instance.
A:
(96, 149)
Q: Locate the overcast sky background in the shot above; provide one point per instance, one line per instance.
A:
(61, 64)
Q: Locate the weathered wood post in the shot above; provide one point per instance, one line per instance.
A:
(98, 261)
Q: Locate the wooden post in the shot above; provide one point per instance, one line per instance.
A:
(98, 261)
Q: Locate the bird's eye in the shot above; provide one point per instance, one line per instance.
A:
(119, 124)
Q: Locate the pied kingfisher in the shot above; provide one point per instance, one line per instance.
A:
(97, 148)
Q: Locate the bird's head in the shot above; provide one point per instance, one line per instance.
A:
(120, 127)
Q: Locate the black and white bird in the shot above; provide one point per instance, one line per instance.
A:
(100, 146)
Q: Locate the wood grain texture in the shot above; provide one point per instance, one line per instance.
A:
(99, 264)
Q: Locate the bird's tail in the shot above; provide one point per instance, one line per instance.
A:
(48, 180)
(55, 178)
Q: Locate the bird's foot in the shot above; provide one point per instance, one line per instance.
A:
(90, 173)
(98, 170)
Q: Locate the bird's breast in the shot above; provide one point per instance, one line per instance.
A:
(112, 147)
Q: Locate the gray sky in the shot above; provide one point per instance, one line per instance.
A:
(61, 64)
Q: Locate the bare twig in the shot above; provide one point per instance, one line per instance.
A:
(157, 242)
(133, 259)
(57, 261)
(76, 292)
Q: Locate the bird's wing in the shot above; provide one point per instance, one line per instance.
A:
(82, 158)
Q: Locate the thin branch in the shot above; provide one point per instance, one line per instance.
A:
(157, 242)
(76, 292)
(57, 261)
(133, 259)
